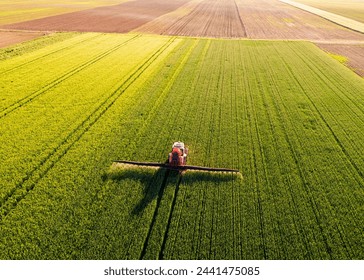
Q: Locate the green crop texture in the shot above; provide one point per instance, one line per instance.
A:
(286, 114)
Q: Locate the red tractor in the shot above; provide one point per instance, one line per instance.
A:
(177, 160)
(178, 156)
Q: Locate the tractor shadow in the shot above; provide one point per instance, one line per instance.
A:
(155, 180)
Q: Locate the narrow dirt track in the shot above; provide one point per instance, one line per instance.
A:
(8, 38)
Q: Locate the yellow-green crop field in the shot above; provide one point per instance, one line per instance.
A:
(353, 9)
(287, 115)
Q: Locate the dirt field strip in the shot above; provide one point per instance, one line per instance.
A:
(343, 21)
(210, 18)
(113, 19)
(354, 55)
(160, 24)
(25, 10)
(272, 19)
(8, 38)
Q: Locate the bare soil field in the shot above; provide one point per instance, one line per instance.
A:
(263, 19)
(271, 19)
(119, 18)
(208, 18)
(354, 54)
(12, 11)
(160, 24)
(338, 19)
(8, 38)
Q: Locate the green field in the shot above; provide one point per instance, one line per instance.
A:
(287, 115)
(353, 9)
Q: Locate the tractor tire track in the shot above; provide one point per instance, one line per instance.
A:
(301, 171)
(276, 101)
(174, 117)
(339, 86)
(269, 115)
(258, 149)
(240, 20)
(27, 184)
(171, 211)
(48, 54)
(238, 217)
(168, 253)
(345, 154)
(202, 219)
(155, 214)
(154, 111)
(313, 104)
(176, 227)
(25, 100)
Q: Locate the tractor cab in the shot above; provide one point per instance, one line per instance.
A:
(178, 155)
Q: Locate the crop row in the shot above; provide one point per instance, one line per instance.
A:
(264, 107)
(86, 155)
(288, 167)
(49, 72)
(71, 116)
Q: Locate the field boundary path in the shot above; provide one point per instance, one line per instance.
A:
(343, 21)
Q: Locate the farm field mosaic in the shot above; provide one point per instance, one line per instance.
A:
(12, 11)
(353, 9)
(286, 114)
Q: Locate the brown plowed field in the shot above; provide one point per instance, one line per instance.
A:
(119, 18)
(209, 18)
(255, 19)
(8, 38)
(354, 53)
(271, 19)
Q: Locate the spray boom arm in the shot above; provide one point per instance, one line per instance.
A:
(177, 161)
(178, 167)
